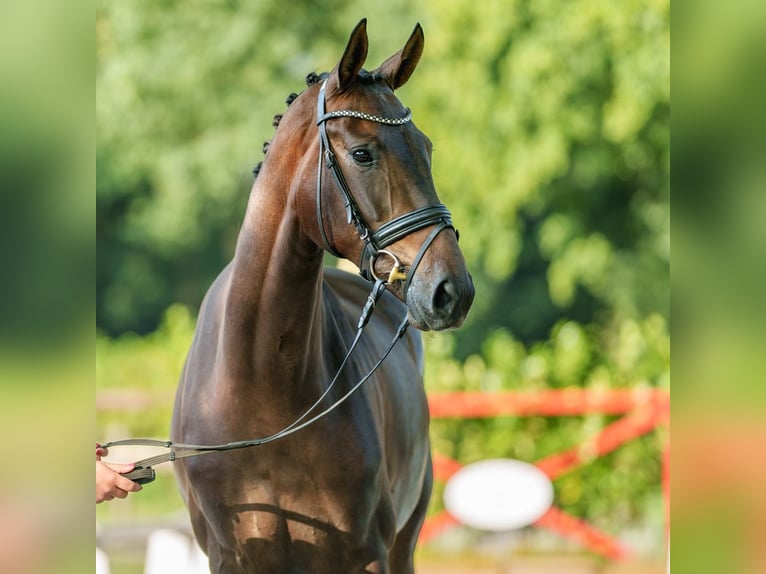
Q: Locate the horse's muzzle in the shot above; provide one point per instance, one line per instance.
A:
(440, 304)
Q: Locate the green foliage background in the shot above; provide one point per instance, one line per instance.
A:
(550, 127)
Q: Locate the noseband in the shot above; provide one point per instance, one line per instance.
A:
(390, 232)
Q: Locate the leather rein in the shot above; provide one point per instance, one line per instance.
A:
(374, 246)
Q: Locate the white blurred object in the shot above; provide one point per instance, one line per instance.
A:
(498, 494)
(170, 552)
(102, 562)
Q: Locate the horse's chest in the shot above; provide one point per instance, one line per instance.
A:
(335, 472)
(307, 501)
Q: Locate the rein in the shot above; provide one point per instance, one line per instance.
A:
(374, 246)
(144, 473)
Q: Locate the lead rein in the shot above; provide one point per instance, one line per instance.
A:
(143, 472)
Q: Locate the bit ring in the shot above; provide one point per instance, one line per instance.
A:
(396, 273)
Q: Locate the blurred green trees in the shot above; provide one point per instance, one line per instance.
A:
(550, 127)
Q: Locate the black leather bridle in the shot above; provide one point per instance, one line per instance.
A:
(375, 242)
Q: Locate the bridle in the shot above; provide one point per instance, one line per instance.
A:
(390, 232)
(375, 243)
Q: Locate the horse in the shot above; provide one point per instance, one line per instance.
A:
(347, 172)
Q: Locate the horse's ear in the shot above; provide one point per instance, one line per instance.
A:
(399, 67)
(353, 58)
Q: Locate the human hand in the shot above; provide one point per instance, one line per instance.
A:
(110, 482)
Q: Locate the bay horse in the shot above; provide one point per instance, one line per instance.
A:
(348, 172)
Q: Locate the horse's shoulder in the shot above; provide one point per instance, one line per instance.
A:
(350, 294)
(346, 286)
(352, 291)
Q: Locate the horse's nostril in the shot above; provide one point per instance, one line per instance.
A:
(445, 296)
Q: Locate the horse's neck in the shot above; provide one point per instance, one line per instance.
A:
(273, 303)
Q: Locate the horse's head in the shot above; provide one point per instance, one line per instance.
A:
(375, 201)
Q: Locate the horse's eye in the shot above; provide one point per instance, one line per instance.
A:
(362, 156)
